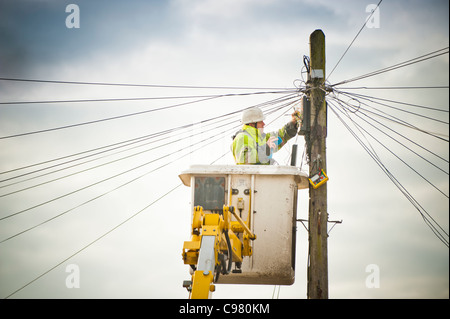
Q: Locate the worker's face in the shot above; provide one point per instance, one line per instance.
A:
(260, 126)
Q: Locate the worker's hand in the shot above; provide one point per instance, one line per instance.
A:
(272, 142)
(297, 117)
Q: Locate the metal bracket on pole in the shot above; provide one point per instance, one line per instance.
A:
(330, 221)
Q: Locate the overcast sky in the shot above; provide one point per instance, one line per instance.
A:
(248, 43)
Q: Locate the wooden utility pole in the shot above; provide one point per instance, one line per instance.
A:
(316, 143)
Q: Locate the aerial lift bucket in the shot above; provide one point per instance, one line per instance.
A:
(262, 199)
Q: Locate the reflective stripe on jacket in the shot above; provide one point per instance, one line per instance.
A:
(249, 145)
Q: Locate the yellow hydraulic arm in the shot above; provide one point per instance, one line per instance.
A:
(213, 248)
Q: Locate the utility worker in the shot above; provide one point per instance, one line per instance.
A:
(252, 146)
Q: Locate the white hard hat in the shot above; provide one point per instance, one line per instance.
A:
(252, 115)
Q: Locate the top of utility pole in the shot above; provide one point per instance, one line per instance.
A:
(317, 51)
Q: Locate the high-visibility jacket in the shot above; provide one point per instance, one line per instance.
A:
(249, 145)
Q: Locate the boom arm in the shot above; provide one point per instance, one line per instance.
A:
(214, 240)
